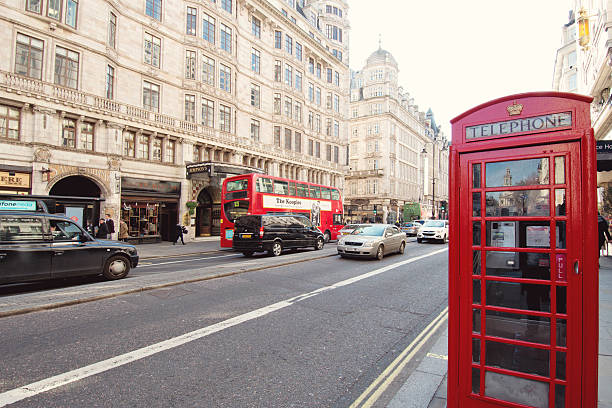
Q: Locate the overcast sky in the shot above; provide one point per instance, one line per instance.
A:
(454, 55)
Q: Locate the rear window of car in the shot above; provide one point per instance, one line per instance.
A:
(248, 221)
(21, 228)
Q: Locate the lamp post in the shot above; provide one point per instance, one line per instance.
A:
(433, 172)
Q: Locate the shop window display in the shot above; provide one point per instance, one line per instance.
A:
(142, 218)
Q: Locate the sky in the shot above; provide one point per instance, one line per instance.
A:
(454, 55)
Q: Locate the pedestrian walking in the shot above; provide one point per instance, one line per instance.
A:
(180, 230)
(123, 230)
(102, 229)
(604, 233)
(110, 225)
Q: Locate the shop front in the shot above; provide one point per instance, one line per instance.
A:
(15, 180)
(150, 209)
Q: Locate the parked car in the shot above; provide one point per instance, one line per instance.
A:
(348, 228)
(373, 241)
(434, 230)
(35, 245)
(273, 233)
(410, 228)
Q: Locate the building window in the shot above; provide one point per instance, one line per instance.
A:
(311, 65)
(28, 56)
(86, 139)
(336, 154)
(298, 50)
(277, 136)
(152, 50)
(328, 152)
(336, 78)
(226, 5)
(256, 27)
(318, 96)
(328, 126)
(318, 150)
(34, 6)
(66, 67)
(208, 28)
(255, 96)
(150, 96)
(153, 9)
(128, 144)
(277, 103)
(190, 64)
(71, 12)
(336, 103)
(311, 92)
(208, 113)
(288, 107)
(318, 123)
(225, 123)
(197, 150)
(255, 60)
(190, 108)
(9, 122)
(208, 70)
(192, 18)
(226, 38)
(278, 39)
(288, 44)
(297, 112)
(157, 149)
(298, 142)
(254, 130)
(310, 120)
(170, 148)
(278, 68)
(225, 78)
(288, 139)
(319, 71)
(289, 75)
(329, 75)
(112, 30)
(336, 128)
(69, 133)
(54, 9)
(298, 81)
(310, 147)
(143, 147)
(328, 101)
(110, 82)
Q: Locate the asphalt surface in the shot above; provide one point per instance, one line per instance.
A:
(306, 334)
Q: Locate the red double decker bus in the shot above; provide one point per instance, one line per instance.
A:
(262, 194)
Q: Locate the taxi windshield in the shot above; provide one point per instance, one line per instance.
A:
(370, 230)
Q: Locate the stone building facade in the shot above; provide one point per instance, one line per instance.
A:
(134, 108)
(397, 153)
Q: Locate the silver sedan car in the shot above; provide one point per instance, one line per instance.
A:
(372, 241)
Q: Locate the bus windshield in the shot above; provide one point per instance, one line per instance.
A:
(236, 185)
(234, 209)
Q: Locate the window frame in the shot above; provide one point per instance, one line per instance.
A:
(191, 21)
(154, 50)
(29, 60)
(64, 78)
(155, 7)
(109, 83)
(76, 13)
(146, 85)
(8, 119)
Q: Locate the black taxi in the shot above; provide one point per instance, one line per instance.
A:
(36, 245)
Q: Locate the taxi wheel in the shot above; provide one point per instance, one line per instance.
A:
(277, 248)
(319, 244)
(327, 236)
(380, 252)
(117, 267)
(401, 248)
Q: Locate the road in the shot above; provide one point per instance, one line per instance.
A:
(309, 334)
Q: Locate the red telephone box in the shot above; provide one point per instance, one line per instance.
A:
(523, 256)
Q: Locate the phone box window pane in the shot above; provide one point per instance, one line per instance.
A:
(560, 365)
(562, 332)
(523, 265)
(476, 320)
(517, 173)
(559, 396)
(525, 296)
(476, 262)
(476, 350)
(476, 175)
(560, 238)
(518, 390)
(476, 291)
(523, 359)
(562, 299)
(560, 202)
(475, 380)
(475, 204)
(560, 170)
(534, 329)
(476, 233)
(519, 234)
(526, 203)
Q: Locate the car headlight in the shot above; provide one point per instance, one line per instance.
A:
(132, 251)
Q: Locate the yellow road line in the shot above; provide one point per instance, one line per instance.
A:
(392, 371)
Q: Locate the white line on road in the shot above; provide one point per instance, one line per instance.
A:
(30, 390)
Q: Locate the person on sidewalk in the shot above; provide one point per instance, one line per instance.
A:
(110, 225)
(123, 230)
(102, 230)
(604, 233)
(180, 230)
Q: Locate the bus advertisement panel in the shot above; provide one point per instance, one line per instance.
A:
(262, 194)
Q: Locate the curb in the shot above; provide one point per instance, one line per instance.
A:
(145, 288)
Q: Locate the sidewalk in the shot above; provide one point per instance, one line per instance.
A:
(166, 249)
(426, 386)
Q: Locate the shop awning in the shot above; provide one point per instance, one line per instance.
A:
(604, 155)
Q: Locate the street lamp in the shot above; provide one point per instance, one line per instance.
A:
(433, 172)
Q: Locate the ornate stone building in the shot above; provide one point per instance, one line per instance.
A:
(134, 108)
(397, 155)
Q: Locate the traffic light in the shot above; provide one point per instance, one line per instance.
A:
(375, 209)
(443, 205)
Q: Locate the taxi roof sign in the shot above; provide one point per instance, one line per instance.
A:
(17, 205)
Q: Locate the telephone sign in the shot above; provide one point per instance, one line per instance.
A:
(523, 264)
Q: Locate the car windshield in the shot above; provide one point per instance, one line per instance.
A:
(435, 224)
(370, 230)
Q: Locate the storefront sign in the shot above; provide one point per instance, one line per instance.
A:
(131, 184)
(516, 126)
(287, 203)
(15, 180)
(17, 205)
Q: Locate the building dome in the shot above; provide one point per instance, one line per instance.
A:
(381, 56)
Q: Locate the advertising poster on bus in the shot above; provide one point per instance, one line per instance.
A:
(313, 207)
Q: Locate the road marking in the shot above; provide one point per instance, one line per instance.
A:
(188, 260)
(38, 387)
(375, 390)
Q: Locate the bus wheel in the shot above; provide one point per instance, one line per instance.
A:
(277, 248)
(327, 236)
